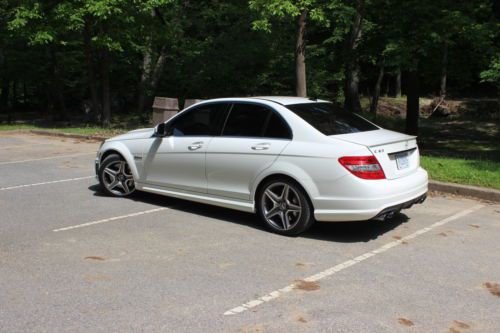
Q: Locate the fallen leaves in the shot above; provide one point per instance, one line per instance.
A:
(95, 258)
(493, 288)
(306, 285)
(405, 322)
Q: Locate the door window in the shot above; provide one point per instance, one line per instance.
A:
(277, 128)
(252, 120)
(204, 120)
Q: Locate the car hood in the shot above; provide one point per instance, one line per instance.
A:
(143, 133)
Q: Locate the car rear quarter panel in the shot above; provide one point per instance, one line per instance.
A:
(314, 165)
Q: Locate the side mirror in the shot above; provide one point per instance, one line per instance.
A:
(160, 130)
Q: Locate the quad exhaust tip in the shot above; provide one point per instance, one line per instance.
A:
(389, 212)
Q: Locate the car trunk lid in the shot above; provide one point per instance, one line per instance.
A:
(397, 153)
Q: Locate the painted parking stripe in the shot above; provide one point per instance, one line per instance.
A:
(46, 158)
(335, 269)
(88, 224)
(44, 183)
(24, 146)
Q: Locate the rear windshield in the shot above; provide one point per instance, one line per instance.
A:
(331, 119)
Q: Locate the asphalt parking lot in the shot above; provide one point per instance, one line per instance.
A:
(73, 260)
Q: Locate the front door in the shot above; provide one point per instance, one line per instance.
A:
(178, 160)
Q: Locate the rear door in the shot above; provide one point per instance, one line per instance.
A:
(253, 137)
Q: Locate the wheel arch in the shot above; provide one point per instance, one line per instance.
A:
(280, 175)
(109, 152)
(121, 150)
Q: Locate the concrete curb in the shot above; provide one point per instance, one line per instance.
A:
(70, 135)
(483, 193)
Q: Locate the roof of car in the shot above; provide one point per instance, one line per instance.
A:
(288, 100)
(283, 100)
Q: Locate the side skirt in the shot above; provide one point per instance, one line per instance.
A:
(197, 197)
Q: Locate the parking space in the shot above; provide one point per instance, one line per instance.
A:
(74, 260)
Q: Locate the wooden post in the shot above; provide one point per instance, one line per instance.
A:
(189, 102)
(164, 108)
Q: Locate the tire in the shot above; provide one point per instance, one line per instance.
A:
(115, 177)
(288, 217)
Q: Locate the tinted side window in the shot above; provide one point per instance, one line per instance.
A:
(246, 120)
(276, 128)
(202, 121)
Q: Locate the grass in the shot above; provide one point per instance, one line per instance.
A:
(91, 130)
(456, 149)
(484, 173)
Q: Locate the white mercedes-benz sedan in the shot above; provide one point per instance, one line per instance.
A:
(291, 160)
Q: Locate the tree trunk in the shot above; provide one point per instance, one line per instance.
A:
(145, 74)
(442, 87)
(376, 91)
(14, 95)
(91, 77)
(4, 99)
(300, 56)
(57, 86)
(106, 95)
(150, 77)
(412, 102)
(158, 68)
(151, 73)
(398, 83)
(352, 102)
(387, 87)
(25, 94)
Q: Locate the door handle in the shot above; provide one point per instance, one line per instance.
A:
(261, 146)
(195, 145)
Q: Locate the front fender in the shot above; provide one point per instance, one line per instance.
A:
(124, 151)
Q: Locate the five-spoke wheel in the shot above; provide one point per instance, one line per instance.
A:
(116, 177)
(284, 207)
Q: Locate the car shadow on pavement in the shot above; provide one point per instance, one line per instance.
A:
(343, 232)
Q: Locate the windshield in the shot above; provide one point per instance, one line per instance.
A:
(330, 119)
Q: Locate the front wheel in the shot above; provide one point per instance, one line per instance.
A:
(284, 207)
(116, 177)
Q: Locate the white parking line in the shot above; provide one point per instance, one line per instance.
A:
(110, 219)
(44, 183)
(24, 146)
(330, 271)
(46, 158)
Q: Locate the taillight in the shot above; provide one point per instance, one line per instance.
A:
(366, 167)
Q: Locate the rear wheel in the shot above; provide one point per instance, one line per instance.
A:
(284, 207)
(116, 177)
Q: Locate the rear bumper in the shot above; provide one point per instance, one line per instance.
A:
(370, 199)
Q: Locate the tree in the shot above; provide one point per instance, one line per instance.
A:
(300, 10)
(492, 74)
(352, 101)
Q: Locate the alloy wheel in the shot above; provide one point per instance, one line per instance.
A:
(117, 178)
(281, 206)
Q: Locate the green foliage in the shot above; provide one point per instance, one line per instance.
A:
(280, 9)
(230, 47)
(492, 74)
